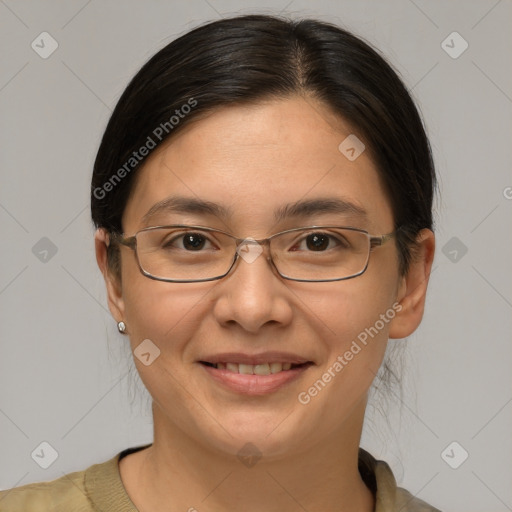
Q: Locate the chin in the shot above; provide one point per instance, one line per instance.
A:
(267, 434)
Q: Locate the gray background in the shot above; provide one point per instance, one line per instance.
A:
(65, 371)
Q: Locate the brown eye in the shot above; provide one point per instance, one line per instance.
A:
(193, 241)
(317, 242)
(320, 242)
(189, 241)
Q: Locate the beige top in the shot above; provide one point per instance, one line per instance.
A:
(100, 488)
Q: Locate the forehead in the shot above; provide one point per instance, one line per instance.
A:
(257, 161)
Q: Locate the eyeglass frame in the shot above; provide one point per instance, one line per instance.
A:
(131, 242)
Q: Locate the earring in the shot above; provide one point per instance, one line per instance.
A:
(121, 327)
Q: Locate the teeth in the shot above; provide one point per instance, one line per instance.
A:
(262, 369)
(246, 369)
(254, 369)
(276, 367)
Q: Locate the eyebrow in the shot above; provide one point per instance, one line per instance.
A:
(302, 208)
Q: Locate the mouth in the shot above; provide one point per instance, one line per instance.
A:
(256, 369)
(254, 375)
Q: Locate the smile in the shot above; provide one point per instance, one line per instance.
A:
(254, 379)
(253, 369)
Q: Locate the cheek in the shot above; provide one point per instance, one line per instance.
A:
(358, 325)
(161, 312)
(345, 310)
(355, 316)
(165, 313)
(151, 307)
(168, 315)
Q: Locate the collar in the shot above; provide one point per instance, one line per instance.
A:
(107, 492)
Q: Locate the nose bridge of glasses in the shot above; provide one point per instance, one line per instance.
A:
(249, 249)
(251, 241)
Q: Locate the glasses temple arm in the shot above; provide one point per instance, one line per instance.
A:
(130, 242)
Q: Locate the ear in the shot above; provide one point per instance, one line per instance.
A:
(112, 282)
(412, 290)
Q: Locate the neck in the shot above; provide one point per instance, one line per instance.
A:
(178, 471)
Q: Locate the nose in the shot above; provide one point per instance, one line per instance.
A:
(253, 294)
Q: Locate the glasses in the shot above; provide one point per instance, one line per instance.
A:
(186, 254)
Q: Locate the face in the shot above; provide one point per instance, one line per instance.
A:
(254, 160)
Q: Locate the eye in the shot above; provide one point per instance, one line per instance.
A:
(189, 241)
(320, 242)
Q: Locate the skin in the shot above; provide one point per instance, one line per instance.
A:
(255, 159)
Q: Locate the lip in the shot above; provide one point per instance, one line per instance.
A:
(261, 358)
(254, 385)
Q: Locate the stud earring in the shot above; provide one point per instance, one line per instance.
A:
(121, 327)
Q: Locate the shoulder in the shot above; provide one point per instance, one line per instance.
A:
(99, 487)
(388, 496)
(405, 501)
(62, 494)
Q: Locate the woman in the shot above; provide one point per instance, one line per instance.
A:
(263, 202)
